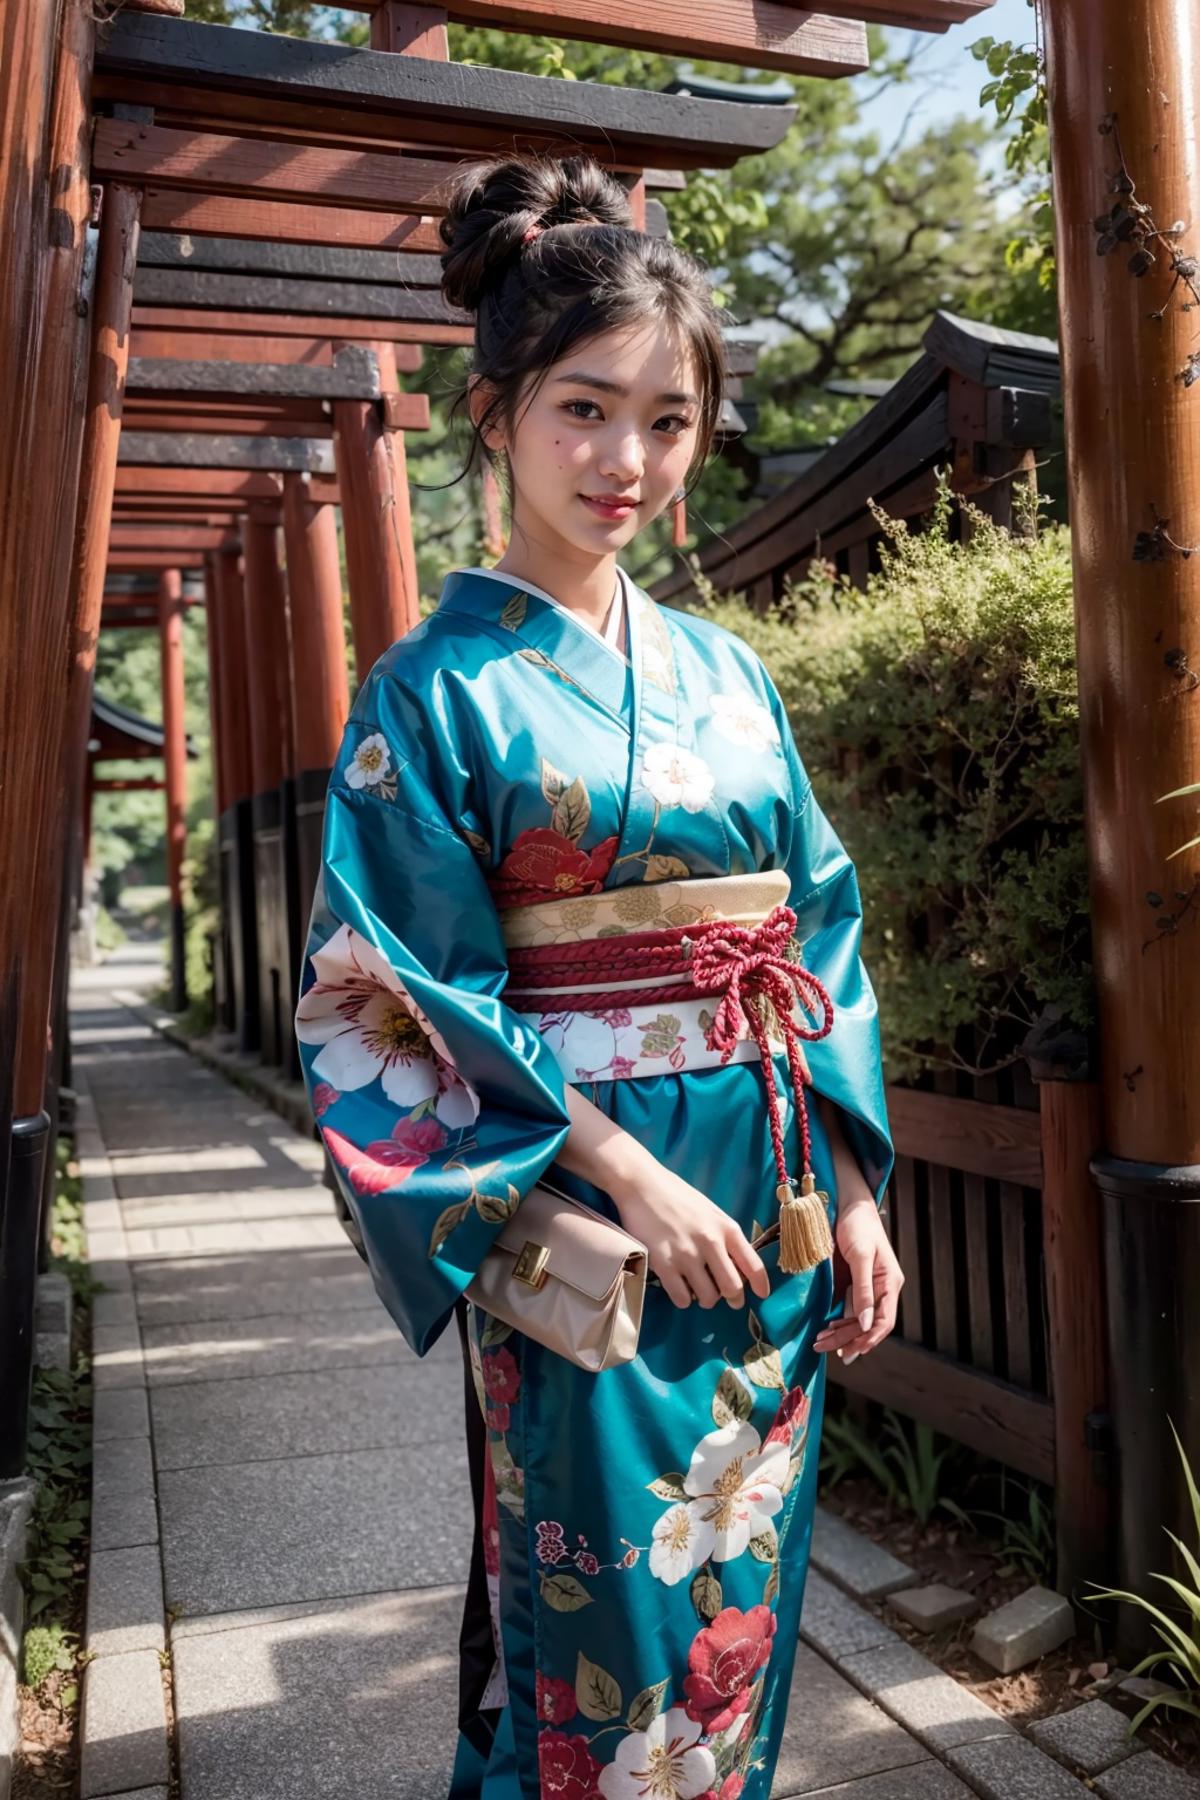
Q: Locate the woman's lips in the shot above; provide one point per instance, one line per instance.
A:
(609, 509)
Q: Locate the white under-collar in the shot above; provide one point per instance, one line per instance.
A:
(611, 634)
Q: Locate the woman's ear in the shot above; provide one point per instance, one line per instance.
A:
(480, 395)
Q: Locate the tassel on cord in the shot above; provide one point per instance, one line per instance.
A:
(805, 1239)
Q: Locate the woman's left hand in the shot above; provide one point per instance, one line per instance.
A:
(874, 1276)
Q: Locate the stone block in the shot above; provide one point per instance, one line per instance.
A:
(124, 1508)
(926, 1780)
(53, 1303)
(864, 1568)
(193, 1290)
(123, 1733)
(125, 1601)
(120, 1413)
(1090, 1737)
(16, 1504)
(933, 1706)
(855, 1738)
(836, 1625)
(349, 1699)
(117, 1357)
(279, 1345)
(1011, 1768)
(1147, 1776)
(115, 1308)
(934, 1607)
(268, 1533)
(1036, 1622)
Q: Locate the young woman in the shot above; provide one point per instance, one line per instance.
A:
(550, 759)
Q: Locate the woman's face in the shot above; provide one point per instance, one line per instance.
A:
(604, 443)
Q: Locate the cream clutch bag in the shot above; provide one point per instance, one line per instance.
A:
(568, 1277)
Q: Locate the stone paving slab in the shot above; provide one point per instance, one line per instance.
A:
(125, 1601)
(123, 1740)
(233, 1237)
(933, 1706)
(1147, 1776)
(283, 1344)
(312, 1528)
(921, 1781)
(350, 1701)
(214, 1209)
(866, 1570)
(1011, 1768)
(186, 1290)
(312, 1414)
(120, 1413)
(1090, 1737)
(854, 1738)
(836, 1625)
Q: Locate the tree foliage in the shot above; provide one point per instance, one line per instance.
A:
(937, 713)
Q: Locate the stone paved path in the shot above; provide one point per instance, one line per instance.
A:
(310, 1477)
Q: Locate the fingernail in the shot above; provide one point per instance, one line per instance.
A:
(839, 1350)
(853, 1357)
(866, 1317)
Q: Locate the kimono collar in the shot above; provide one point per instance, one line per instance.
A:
(546, 633)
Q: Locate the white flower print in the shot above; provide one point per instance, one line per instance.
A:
(369, 1026)
(370, 763)
(680, 1542)
(662, 1763)
(736, 1486)
(743, 721)
(677, 777)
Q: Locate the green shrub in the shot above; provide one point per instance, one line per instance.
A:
(937, 714)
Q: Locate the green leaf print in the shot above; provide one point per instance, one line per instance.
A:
(764, 1366)
(494, 1209)
(572, 811)
(553, 781)
(646, 1707)
(732, 1400)
(659, 1038)
(513, 615)
(669, 1487)
(764, 1547)
(707, 1597)
(772, 1587)
(563, 1593)
(597, 1694)
(494, 1332)
(446, 1222)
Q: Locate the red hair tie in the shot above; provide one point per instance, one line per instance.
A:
(530, 232)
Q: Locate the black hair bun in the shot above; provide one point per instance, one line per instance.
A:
(494, 203)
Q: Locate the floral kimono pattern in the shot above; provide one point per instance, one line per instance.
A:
(645, 1531)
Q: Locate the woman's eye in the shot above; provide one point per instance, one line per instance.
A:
(675, 422)
(572, 404)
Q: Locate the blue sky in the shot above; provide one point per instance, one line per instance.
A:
(950, 76)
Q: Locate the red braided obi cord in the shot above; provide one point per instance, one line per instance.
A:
(754, 972)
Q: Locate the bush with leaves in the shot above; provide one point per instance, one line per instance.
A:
(937, 713)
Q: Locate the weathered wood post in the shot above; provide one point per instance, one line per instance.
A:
(223, 960)
(235, 824)
(320, 689)
(170, 633)
(1125, 147)
(45, 78)
(376, 520)
(268, 690)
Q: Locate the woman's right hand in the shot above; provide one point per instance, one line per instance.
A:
(696, 1251)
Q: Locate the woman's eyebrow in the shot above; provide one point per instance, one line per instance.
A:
(579, 379)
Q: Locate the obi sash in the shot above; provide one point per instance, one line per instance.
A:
(617, 1038)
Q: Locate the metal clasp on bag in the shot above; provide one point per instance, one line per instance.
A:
(530, 1266)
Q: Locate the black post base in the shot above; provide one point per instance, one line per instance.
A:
(179, 993)
(21, 1213)
(1151, 1252)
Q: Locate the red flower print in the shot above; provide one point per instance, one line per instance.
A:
(586, 1563)
(502, 1384)
(388, 1162)
(550, 1545)
(724, 1659)
(324, 1095)
(555, 1700)
(791, 1418)
(544, 864)
(567, 1767)
(616, 1016)
(731, 1787)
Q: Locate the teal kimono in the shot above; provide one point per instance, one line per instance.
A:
(644, 1532)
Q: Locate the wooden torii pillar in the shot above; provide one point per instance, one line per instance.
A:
(1125, 149)
(235, 829)
(170, 626)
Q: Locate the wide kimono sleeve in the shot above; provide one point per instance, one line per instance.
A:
(440, 1106)
(847, 1066)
